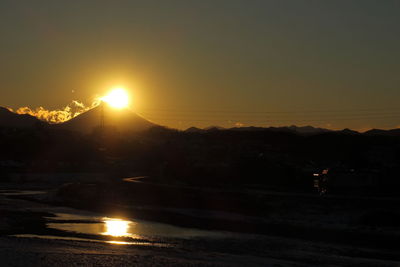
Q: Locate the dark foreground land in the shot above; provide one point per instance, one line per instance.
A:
(243, 227)
(266, 252)
(242, 197)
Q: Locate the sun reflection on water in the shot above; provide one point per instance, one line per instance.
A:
(116, 227)
(124, 232)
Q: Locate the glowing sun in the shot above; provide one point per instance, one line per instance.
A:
(117, 98)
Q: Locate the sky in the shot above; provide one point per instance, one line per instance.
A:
(331, 63)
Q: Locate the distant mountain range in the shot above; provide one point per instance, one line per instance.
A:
(301, 130)
(304, 130)
(128, 121)
(393, 132)
(121, 120)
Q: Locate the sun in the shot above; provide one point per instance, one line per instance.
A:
(117, 98)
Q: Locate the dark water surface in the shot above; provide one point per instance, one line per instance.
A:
(88, 223)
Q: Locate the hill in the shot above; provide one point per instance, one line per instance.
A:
(375, 132)
(123, 120)
(10, 119)
(301, 130)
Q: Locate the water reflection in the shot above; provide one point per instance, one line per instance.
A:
(70, 238)
(20, 192)
(116, 227)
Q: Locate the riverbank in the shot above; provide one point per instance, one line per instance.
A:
(294, 231)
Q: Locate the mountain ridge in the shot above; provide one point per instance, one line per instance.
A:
(129, 121)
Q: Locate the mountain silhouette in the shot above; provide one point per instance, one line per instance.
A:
(123, 120)
(194, 130)
(392, 132)
(302, 130)
(307, 129)
(14, 120)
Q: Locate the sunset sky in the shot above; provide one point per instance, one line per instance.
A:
(331, 64)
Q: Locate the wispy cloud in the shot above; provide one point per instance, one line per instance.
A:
(59, 115)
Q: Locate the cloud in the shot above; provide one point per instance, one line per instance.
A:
(59, 115)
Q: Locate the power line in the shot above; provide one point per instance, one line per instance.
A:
(174, 110)
(292, 116)
(279, 120)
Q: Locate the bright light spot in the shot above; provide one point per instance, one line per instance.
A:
(116, 227)
(117, 98)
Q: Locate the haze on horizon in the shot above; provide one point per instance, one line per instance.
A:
(330, 64)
